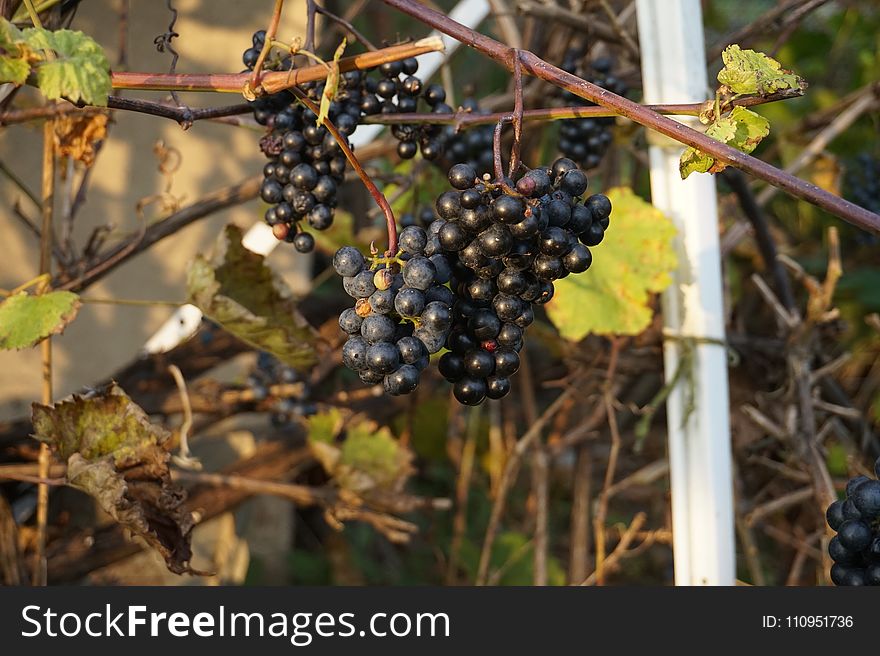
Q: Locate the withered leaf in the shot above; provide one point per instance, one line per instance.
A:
(116, 455)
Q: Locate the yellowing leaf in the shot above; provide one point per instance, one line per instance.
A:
(14, 65)
(747, 72)
(332, 84)
(742, 128)
(79, 72)
(242, 294)
(26, 320)
(633, 261)
(118, 457)
(368, 459)
(77, 134)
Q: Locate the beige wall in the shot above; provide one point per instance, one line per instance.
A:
(213, 34)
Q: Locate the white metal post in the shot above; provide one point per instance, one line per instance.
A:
(259, 237)
(674, 70)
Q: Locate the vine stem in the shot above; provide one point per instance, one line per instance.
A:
(461, 118)
(377, 195)
(267, 44)
(39, 577)
(537, 67)
(464, 118)
(517, 117)
(34, 16)
(273, 81)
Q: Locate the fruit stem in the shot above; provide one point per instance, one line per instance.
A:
(254, 82)
(377, 195)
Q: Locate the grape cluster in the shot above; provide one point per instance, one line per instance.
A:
(506, 245)
(306, 164)
(585, 140)
(855, 549)
(266, 377)
(402, 312)
(398, 90)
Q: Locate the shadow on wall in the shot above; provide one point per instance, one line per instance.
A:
(213, 34)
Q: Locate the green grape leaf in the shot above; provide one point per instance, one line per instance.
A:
(367, 460)
(26, 320)
(742, 128)
(325, 426)
(78, 72)
(241, 293)
(332, 85)
(749, 73)
(116, 455)
(633, 261)
(13, 69)
(14, 65)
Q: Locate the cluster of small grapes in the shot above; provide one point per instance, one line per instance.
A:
(506, 246)
(402, 312)
(863, 181)
(306, 163)
(855, 549)
(271, 375)
(585, 140)
(398, 91)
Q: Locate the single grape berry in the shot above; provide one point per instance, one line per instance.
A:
(383, 357)
(348, 261)
(866, 498)
(470, 391)
(304, 242)
(402, 381)
(855, 535)
(834, 515)
(462, 176)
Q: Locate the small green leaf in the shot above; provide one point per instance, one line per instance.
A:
(748, 73)
(332, 84)
(742, 128)
(241, 293)
(633, 261)
(79, 72)
(325, 426)
(368, 459)
(14, 66)
(13, 70)
(371, 458)
(26, 320)
(118, 457)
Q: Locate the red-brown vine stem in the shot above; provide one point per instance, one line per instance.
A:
(537, 67)
(517, 117)
(496, 147)
(459, 119)
(273, 81)
(377, 195)
(464, 118)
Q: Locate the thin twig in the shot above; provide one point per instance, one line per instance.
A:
(619, 551)
(39, 577)
(511, 468)
(346, 25)
(267, 45)
(377, 195)
(541, 485)
(462, 489)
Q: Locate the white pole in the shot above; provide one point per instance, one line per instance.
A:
(674, 70)
(259, 238)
